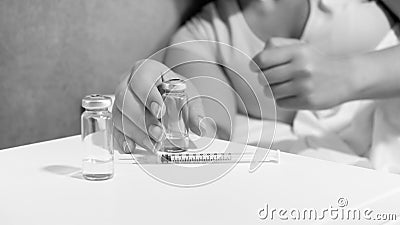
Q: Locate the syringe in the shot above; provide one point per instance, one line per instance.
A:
(204, 158)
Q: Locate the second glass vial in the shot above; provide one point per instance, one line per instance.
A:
(175, 119)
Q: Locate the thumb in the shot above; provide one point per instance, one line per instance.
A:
(199, 123)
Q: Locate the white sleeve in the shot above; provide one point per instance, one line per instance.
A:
(197, 35)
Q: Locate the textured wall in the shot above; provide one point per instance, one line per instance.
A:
(54, 52)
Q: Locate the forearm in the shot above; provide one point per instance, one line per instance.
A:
(377, 74)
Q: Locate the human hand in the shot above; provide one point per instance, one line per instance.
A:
(302, 77)
(139, 106)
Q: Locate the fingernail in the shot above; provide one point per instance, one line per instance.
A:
(156, 132)
(131, 147)
(206, 128)
(125, 147)
(128, 148)
(156, 110)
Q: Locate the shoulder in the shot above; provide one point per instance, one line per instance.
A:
(211, 21)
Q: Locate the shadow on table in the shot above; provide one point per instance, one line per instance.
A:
(64, 170)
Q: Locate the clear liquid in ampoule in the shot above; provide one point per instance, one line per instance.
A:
(96, 132)
(98, 163)
(175, 119)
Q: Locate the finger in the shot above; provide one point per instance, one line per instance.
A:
(290, 103)
(129, 129)
(275, 56)
(283, 90)
(208, 127)
(195, 113)
(122, 143)
(272, 43)
(131, 107)
(145, 78)
(277, 75)
(262, 80)
(198, 122)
